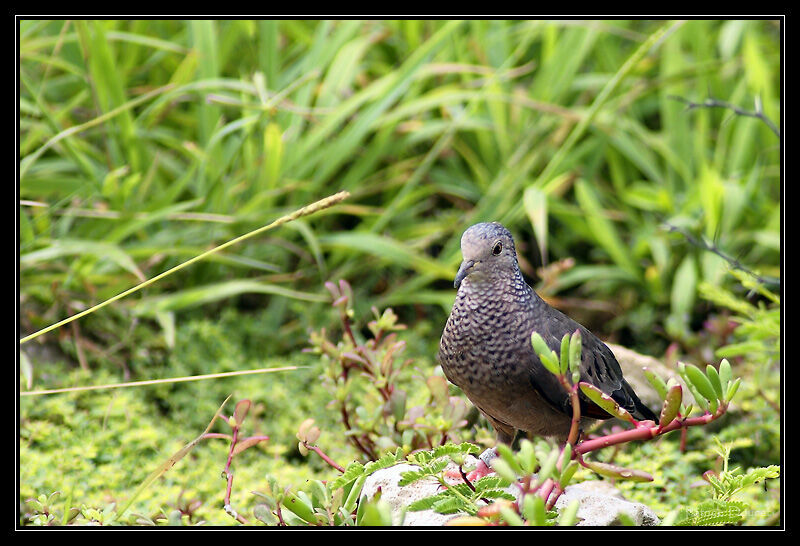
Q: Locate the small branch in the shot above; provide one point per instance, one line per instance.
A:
(230, 451)
(735, 264)
(645, 432)
(325, 458)
(464, 477)
(348, 330)
(356, 442)
(771, 403)
(575, 427)
(715, 103)
(227, 505)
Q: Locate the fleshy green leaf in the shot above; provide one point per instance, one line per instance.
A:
(657, 382)
(700, 382)
(732, 388)
(605, 401)
(564, 355)
(614, 471)
(546, 355)
(713, 378)
(575, 350)
(672, 403)
(725, 373)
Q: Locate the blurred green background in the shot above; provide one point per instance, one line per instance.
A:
(144, 143)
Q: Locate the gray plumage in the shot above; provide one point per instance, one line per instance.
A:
(486, 345)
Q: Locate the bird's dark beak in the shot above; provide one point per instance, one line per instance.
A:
(463, 271)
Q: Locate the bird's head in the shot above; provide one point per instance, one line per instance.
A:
(487, 249)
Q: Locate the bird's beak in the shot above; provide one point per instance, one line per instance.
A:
(463, 271)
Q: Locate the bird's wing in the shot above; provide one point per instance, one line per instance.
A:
(599, 367)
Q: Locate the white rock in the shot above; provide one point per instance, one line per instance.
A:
(386, 480)
(600, 502)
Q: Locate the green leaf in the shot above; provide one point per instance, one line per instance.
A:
(546, 355)
(575, 351)
(672, 404)
(353, 471)
(503, 469)
(699, 398)
(299, 507)
(605, 401)
(201, 295)
(511, 517)
(375, 513)
(527, 456)
(700, 382)
(618, 472)
(273, 156)
(533, 509)
(26, 369)
(564, 354)
(548, 469)
(355, 491)
(505, 452)
(725, 373)
(657, 382)
(567, 474)
(732, 388)
(713, 378)
(263, 514)
(711, 195)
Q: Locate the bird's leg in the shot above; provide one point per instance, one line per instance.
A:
(484, 466)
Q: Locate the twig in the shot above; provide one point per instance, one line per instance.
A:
(774, 405)
(464, 477)
(735, 264)
(716, 103)
(229, 478)
(325, 458)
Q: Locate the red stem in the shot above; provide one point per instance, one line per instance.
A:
(325, 458)
(645, 432)
(346, 323)
(346, 421)
(554, 496)
(546, 489)
(234, 440)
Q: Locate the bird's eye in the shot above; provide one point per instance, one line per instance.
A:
(498, 248)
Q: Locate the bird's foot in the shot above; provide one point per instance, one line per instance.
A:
(483, 468)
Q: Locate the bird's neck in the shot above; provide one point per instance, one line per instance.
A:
(488, 284)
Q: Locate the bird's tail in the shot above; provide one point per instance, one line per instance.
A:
(640, 411)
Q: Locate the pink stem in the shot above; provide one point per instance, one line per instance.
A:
(644, 432)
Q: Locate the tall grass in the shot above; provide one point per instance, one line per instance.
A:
(144, 142)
